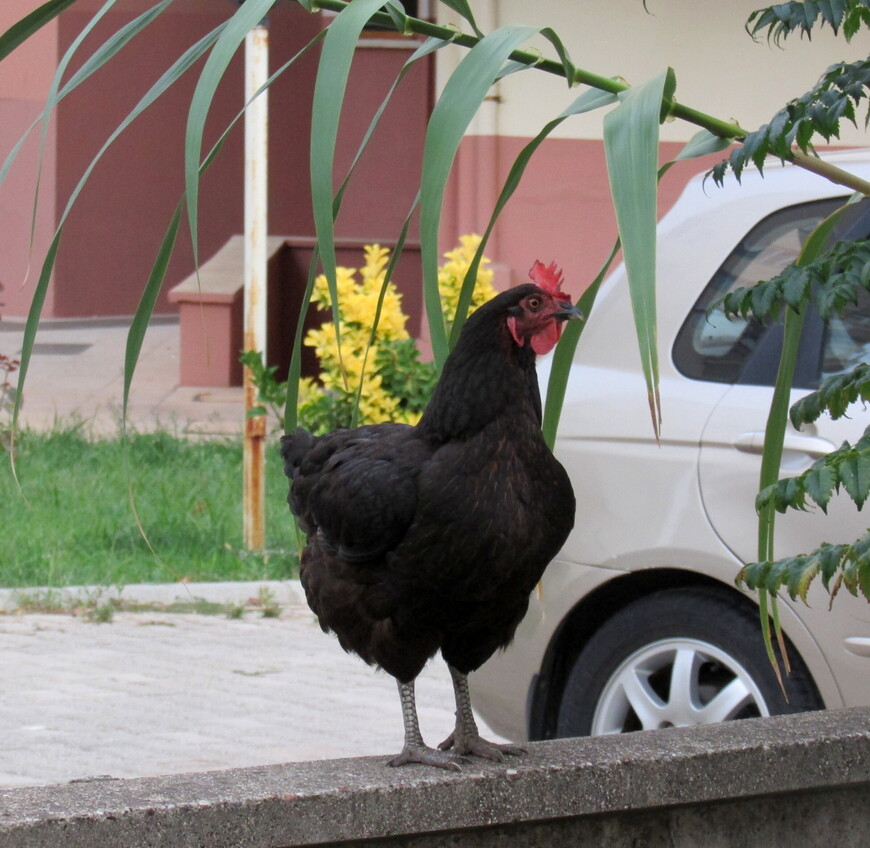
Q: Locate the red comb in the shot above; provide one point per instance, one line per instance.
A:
(548, 277)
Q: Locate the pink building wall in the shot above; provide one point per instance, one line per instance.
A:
(561, 210)
(24, 79)
(116, 226)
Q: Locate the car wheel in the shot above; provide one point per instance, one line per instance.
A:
(676, 658)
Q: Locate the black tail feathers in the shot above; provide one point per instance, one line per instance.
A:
(294, 446)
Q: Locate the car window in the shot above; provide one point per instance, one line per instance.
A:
(716, 349)
(847, 337)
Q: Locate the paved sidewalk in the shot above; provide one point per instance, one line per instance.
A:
(156, 692)
(77, 374)
(159, 693)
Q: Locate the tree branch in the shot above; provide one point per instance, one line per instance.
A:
(830, 172)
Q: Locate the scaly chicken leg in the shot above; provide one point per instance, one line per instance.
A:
(466, 739)
(416, 750)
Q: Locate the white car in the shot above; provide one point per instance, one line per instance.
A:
(638, 623)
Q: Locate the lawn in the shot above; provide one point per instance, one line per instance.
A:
(72, 523)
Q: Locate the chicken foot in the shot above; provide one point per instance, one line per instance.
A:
(466, 739)
(415, 749)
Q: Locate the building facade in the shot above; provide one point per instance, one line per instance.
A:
(560, 212)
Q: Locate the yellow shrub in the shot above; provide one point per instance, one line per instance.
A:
(395, 384)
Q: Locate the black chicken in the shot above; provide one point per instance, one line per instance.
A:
(432, 537)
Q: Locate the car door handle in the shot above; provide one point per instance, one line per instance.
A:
(814, 446)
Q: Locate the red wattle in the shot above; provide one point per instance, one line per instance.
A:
(544, 341)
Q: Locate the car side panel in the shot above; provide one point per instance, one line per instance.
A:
(729, 482)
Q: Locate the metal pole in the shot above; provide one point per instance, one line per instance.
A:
(256, 259)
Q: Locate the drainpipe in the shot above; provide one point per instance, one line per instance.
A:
(256, 261)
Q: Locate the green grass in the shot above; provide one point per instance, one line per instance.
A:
(72, 522)
(99, 604)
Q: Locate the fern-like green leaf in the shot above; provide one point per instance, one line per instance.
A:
(830, 282)
(854, 471)
(847, 466)
(764, 297)
(855, 19)
(804, 577)
(819, 111)
(829, 557)
(783, 19)
(834, 396)
(836, 565)
(819, 485)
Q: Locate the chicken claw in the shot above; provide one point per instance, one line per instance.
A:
(426, 756)
(415, 749)
(475, 745)
(466, 739)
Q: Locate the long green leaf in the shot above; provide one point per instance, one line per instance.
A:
(249, 14)
(142, 316)
(388, 276)
(295, 370)
(460, 100)
(774, 433)
(19, 32)
(32, 323)
(568, 66)
(703, 143)
(329, 88)
(145, 308)
(52, 98)
(462, 7)
(291, 405)
(175, 72)
(586, 102)
(631, 146)
(425, 49)
(777, 420)
(563, 356)
(99, 58)
(114, 44)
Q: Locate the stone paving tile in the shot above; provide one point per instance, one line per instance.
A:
(160, 693)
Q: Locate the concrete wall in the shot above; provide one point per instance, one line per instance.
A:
(783, 782)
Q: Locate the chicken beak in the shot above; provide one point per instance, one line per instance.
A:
(569, 312)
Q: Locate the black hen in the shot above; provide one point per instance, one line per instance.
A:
(432, 537)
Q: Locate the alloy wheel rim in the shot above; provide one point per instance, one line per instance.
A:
(676, 683)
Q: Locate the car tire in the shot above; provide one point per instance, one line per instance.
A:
(675, 658)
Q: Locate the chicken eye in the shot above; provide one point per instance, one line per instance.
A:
(534, 303)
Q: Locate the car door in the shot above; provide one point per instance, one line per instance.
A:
(733, 437)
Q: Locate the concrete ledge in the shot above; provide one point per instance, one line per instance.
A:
(796, 780)
(211, 310)
(221, 278)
